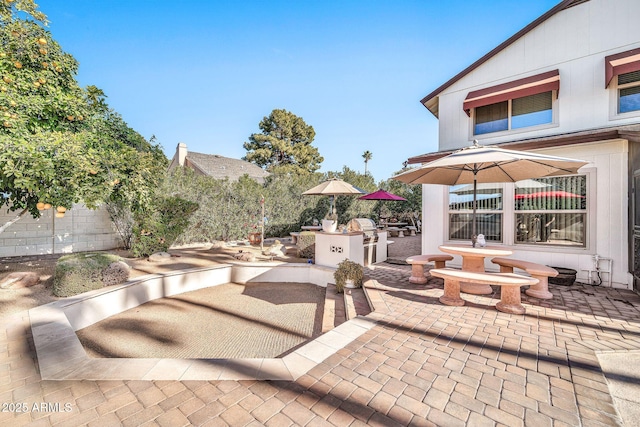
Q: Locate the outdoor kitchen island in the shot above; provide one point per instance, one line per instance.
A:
(331, 248)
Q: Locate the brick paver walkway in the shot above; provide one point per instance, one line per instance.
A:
(422, 363)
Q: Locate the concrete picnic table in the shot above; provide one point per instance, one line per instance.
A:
(473, 261)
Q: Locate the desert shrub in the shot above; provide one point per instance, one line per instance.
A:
(230, 210)
(81, 272)
(307, 244)
(159, 225)
(348, 270)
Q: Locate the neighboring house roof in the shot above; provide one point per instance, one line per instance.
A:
(216, 166)
(431, 101)
(220, 167)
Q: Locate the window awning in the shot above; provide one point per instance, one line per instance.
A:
(516, 89)
(621, 63)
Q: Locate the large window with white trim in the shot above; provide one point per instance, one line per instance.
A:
(551, 211)
(488, 212)
(543, 211)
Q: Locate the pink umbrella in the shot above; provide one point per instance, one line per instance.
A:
(381, 195)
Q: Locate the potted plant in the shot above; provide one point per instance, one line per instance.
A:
(330, 223)
(349, 274)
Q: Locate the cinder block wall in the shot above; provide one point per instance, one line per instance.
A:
(80, 230)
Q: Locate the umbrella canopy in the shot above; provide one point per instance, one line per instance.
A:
(488, 164)
(381, 195)
(333, 187)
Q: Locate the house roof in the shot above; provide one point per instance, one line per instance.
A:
(629, 132)
(431, 101)
(221, 167)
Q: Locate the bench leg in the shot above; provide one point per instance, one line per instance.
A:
(417, 274)
(451, 293)
(510, 301)
(475, 265)
(440, 264)
(541, 289)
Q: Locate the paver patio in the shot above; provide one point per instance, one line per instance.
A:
(423, 363)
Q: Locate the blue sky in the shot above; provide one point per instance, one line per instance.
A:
(206, 72)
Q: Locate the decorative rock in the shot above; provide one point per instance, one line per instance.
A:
(160, 257)
(275, 250)
(218, 244)
(20, 279)
(116, 273)
(245, 256)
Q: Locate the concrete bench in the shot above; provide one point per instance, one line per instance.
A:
(538, 271)
(417, 265)
(294, 237)
(509, 283)
(412, 230)
(395, 232)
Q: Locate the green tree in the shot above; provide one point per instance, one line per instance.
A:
(366, 156)
(284, 144)
(60, 144)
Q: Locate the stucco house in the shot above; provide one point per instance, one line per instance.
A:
(568, 84)
(215, 166)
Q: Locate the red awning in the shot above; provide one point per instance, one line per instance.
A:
(516, 89)
(620, 63)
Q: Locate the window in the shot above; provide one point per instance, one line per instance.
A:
(629, 92)
(551, 211)
(488, 212)
(515, 113)
(516, 104)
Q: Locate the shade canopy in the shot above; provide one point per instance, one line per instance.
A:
(382, 195)
(489, 164)
(480, 164)
(333, 187)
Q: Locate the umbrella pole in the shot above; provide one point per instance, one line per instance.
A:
(474, 236)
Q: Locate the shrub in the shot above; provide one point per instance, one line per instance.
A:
(307, 244)
(348, 270)
(83, 272)
(158, 226)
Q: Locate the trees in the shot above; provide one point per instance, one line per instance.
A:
(284, 144)
(60, 144)
(366, 156)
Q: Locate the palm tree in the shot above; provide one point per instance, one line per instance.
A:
(366, 156)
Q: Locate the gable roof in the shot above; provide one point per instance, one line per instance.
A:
(431, 101)
(220, 167)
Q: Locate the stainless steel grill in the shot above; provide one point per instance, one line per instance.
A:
(366, 226)
(375, 249)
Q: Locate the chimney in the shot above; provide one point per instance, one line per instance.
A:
(181, 152)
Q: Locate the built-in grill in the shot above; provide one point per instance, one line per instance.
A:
(366, 226)
(374, 249)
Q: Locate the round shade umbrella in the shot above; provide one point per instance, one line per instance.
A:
(381, 195)
(333, 187)
(479, 163)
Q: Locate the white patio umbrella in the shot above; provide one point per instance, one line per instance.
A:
(481, 164)
(333, 187)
